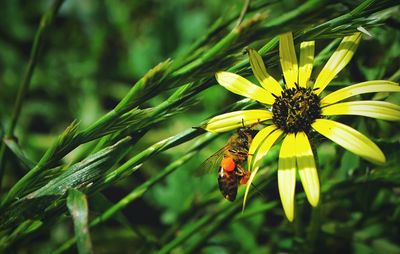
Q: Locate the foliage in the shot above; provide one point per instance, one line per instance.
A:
(108, 93)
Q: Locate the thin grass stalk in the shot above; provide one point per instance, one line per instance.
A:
(131, 165)
(56, 151)
(222, 218)
(45, 23)
(48, 202)
(186, 233)
(314, 228)
(214, 221)
(50, 153)
(125, 168)
(140, 190)
(249, 212)
(23, 182)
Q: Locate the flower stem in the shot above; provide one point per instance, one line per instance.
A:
(314, 227)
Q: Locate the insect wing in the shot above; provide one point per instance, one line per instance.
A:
(212, 163)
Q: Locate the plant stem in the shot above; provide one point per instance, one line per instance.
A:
(243, 12)
(45, 22)
(314, 227)
(204, 231)
(54, 152)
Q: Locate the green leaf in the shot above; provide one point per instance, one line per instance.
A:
(16, 149)
(40, 203)
(385, 246)
(78, 208)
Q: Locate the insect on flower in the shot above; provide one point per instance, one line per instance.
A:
(230, 160)
(299, 109)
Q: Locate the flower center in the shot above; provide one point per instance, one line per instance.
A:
(296, 109)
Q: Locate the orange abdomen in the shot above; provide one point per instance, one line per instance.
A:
(228, 164)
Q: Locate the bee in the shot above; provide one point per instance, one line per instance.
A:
(232, 156)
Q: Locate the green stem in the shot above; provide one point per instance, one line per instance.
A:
(245, 8)
(66, 136)
(54, 153)
(314, 227)
(159, 147)
(303, 10)
(231, 214)
(212, 224)
(395, 76)
(45, 22)
(187, 233)
(216, 49)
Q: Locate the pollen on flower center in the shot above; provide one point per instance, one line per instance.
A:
(296, 109)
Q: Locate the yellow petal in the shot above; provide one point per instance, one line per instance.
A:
(257, 141)
(265, 139)
(260, 72)
(350, 139)
(288, 59)
(287, 175)
(340, 58)
(307, 169)
(239, 85)
(361, 88)
(306, 62)
(234, 120)
(376, 109)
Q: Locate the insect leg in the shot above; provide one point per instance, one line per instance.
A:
(239, 170)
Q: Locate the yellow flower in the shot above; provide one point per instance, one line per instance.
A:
(298, 109)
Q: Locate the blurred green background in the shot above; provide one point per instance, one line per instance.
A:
(92, 55)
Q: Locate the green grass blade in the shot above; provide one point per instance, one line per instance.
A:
(82, 175)
(78, 208)
(140, 190)
(16, 149)
(44, 25)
